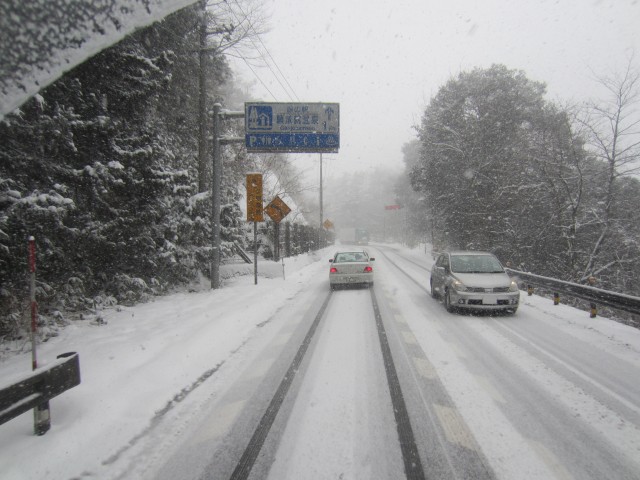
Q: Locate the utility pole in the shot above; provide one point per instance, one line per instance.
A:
(202, 101)
(216, 187)
(216, 182)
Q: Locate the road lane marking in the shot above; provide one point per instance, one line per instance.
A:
(454, 427)
(258, 370)
(400, 319)
(550, 460)
(281, 339)
(219, 423)
(456, 349)
(409, 337)
(425, 368)
(490, 389)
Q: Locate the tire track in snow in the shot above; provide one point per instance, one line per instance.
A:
(410, 455)
(248, 459)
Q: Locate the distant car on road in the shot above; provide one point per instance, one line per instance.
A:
(351, 268)
(473, 280)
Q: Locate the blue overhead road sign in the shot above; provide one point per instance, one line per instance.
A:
(292, 127)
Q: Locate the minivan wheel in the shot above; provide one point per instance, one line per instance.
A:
(447, 302)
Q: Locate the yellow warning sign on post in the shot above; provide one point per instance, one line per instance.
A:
(254, 198)
(277, 209)
(327, 224)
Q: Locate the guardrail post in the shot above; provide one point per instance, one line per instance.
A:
(41, 419)
(556, 298)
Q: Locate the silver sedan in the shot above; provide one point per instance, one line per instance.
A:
(351, 268)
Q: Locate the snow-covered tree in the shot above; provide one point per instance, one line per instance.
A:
(102, 169)
(503, 169)
(612, 130)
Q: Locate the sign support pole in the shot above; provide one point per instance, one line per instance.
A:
(321, 229)
(276, 244)
(255, 253)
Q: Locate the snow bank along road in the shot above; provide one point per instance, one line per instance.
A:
(385, 384)
(287, 380)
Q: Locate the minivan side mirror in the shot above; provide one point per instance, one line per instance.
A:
(331, 260)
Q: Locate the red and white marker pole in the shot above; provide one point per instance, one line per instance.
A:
(41, 414)
(34, 304)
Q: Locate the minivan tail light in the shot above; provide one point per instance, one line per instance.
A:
(368, 269)
(333, 270)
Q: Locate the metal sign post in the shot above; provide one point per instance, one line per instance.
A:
(255, 253)
(320, 231)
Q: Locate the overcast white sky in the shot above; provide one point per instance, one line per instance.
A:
(383, 60)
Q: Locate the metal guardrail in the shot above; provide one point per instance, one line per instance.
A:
(242, 253)
(37, 388)
(628, 303)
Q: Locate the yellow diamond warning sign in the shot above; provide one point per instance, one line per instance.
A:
(277, 209)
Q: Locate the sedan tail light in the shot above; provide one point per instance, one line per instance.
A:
(368, 269)
(333, 270)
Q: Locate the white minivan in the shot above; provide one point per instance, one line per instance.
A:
(473, 280)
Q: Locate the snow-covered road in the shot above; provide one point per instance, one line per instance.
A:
(290, 380)
(342, 423)
(546, 387)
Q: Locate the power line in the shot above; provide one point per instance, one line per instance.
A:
(268, 53)
(257, 76)
(276, 64)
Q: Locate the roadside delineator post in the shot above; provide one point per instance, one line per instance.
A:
(556, 298)
(41, 413)
(592, 306)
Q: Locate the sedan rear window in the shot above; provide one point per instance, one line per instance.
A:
(350, 257)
